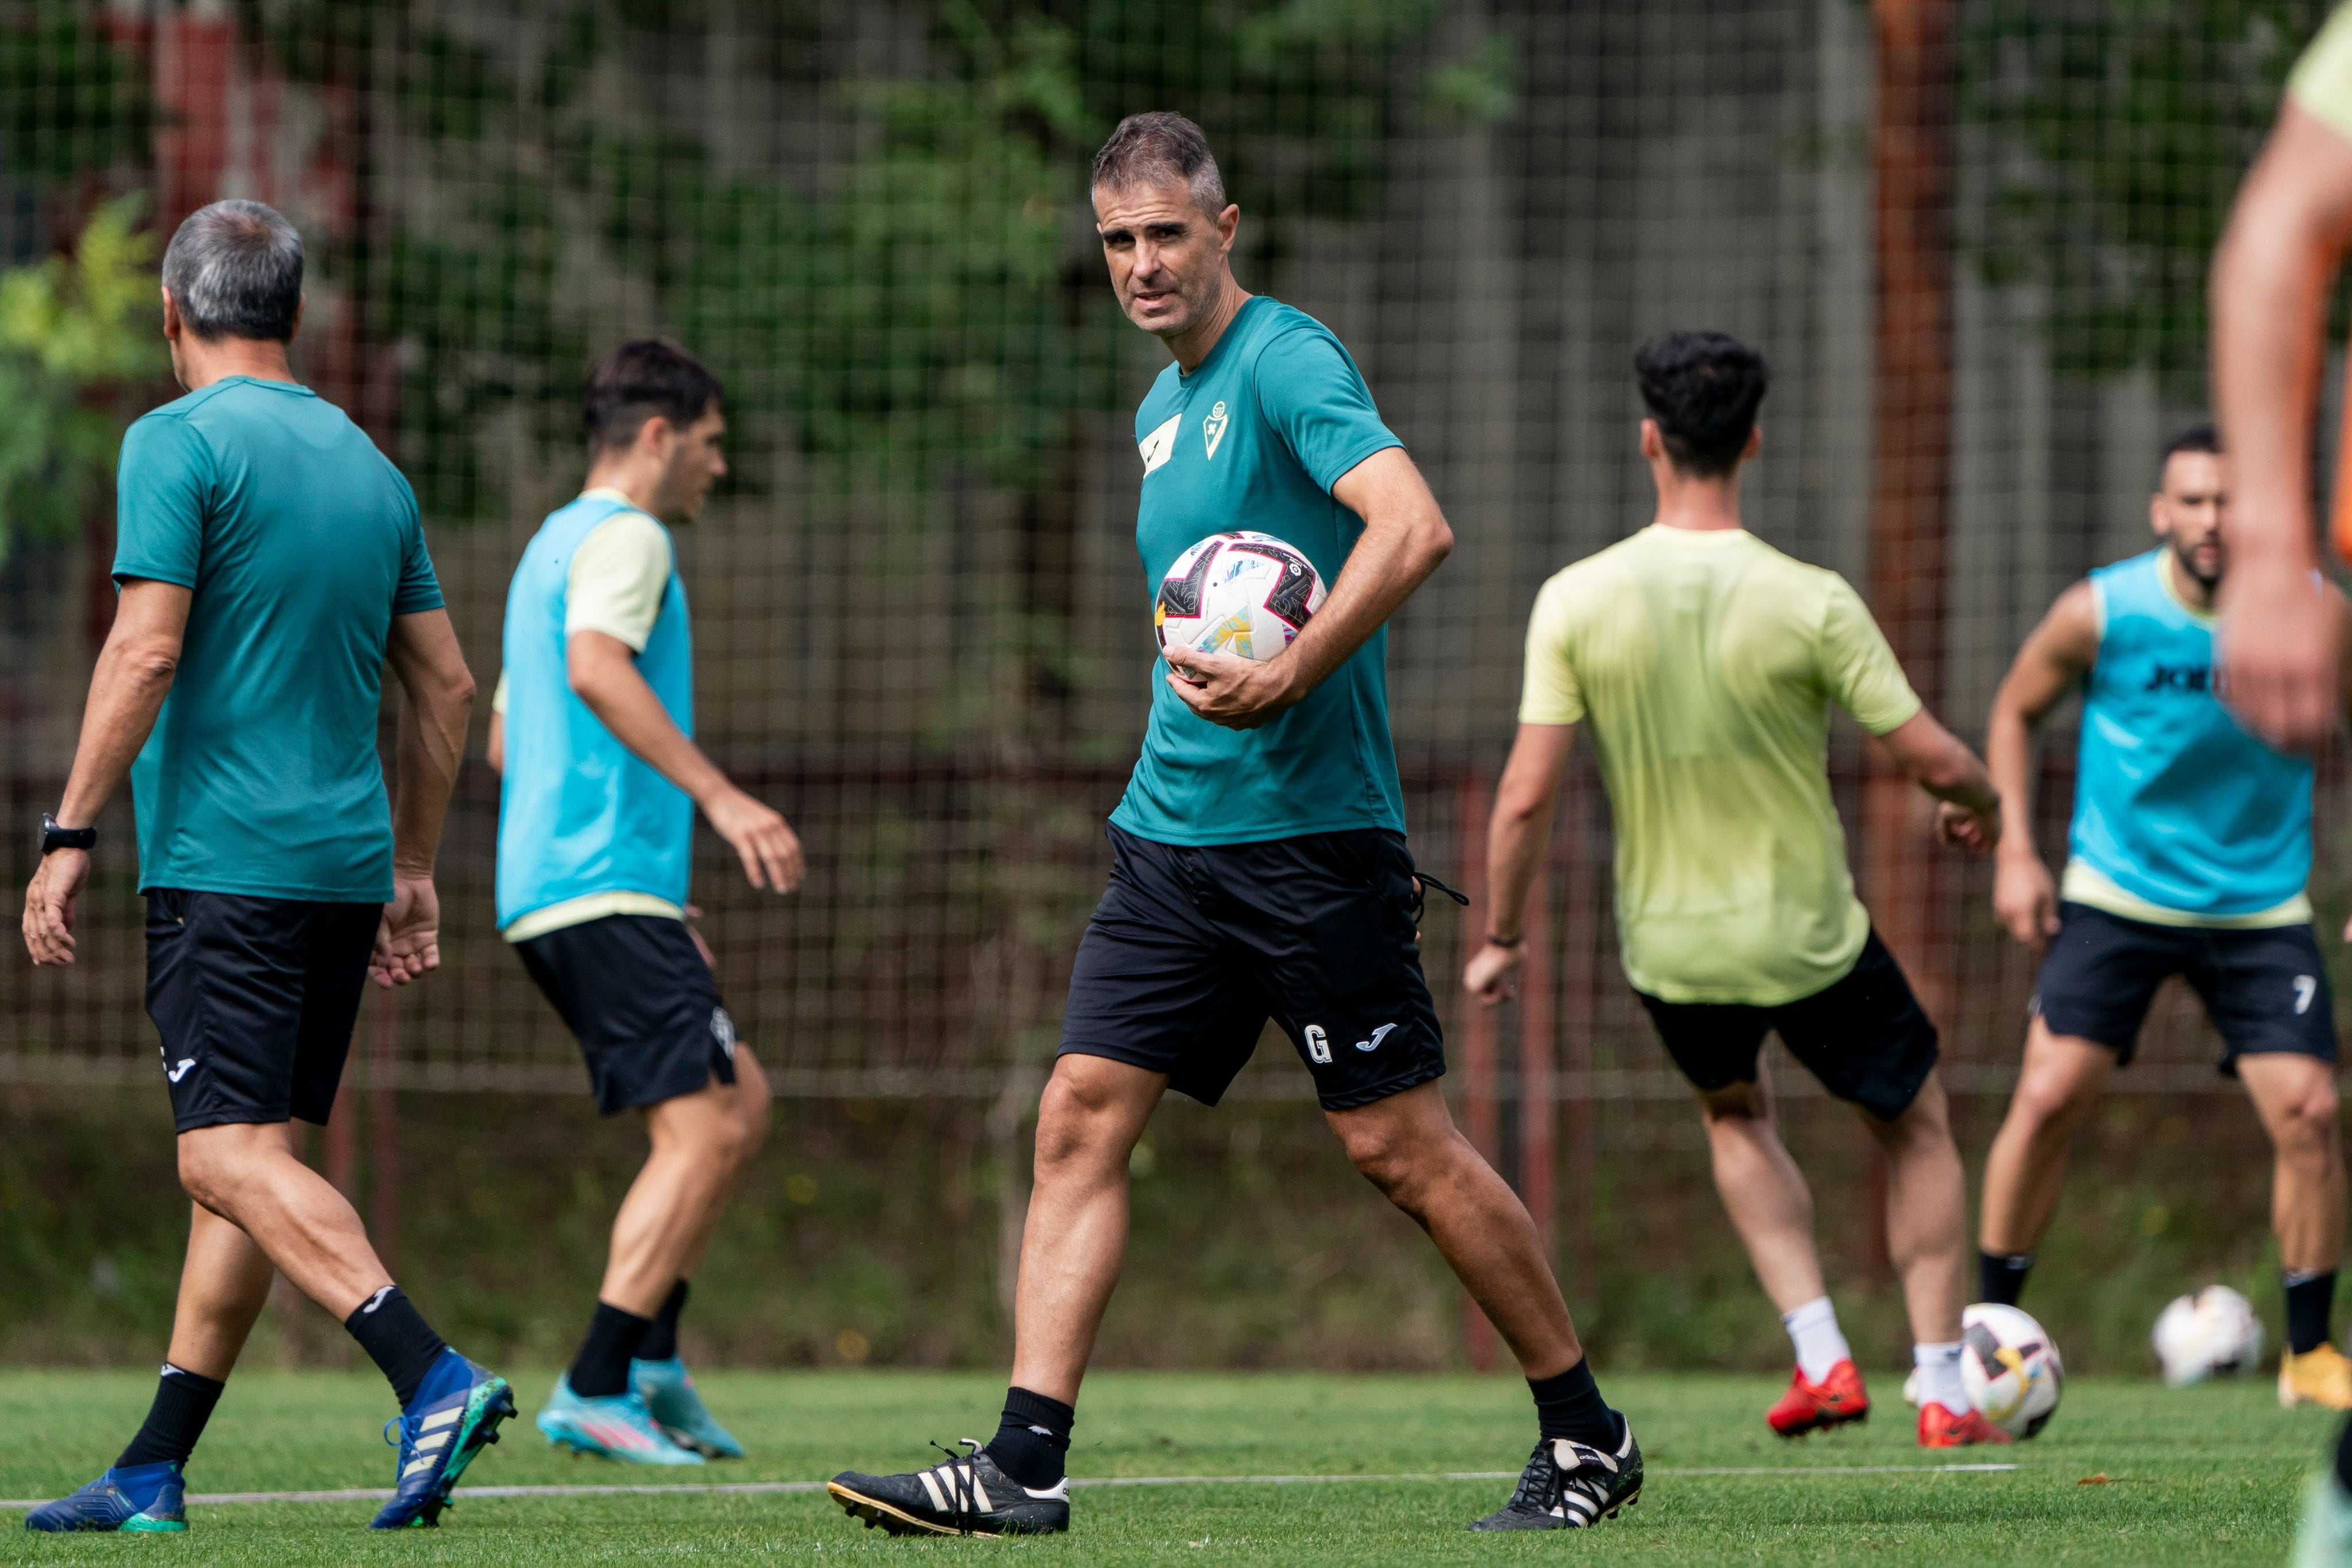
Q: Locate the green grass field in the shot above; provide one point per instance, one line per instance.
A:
(2209, 1474)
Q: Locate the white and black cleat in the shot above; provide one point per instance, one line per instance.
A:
(968, 1495)
(1568, 1486)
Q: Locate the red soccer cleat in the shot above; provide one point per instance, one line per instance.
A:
(1810, 1407)
(1939, 1428)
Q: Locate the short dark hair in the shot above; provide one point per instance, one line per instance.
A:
(1702, 388)
(235, 269)
(2196, 438)
(641, 378)
(1159, 146)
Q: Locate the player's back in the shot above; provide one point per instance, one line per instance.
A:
(300, 542)
(1705, 664)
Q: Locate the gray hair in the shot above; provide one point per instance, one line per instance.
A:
(1160, 146)
(235, 269)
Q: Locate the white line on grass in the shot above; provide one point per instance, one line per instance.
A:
(754, 1489)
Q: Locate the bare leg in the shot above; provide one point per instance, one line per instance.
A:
(752, 1104)
(701, 1143)
(223, 1285)
(247, 1175)
(2295, 1097)
(1763, 1191)
(1926, 1212)
(1408, 1146)
(1092, 1112)
(2027, 1168)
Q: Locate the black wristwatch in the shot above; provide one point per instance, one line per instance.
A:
(56, 838)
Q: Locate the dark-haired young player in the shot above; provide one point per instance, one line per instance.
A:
(1258, 870)
(272, 565)
(2189, 855)
(1704, 662)
(601, 777)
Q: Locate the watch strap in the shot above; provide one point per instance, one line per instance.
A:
(55, 838)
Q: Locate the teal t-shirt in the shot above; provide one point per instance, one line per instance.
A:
(1254, 439)
(300, 542)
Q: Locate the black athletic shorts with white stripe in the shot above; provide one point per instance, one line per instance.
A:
(1194, 949)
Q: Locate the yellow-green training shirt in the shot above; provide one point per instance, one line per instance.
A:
(2322, 79)
(1704, 665)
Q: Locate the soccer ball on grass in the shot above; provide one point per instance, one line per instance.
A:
(1241, 593)
(2214, 1331)
(2010, 1368)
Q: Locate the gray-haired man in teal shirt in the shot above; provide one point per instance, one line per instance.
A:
(271, 564)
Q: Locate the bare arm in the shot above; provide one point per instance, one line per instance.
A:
(495, 751)
(2287, 234)
(604, 673)
(2054, 661)
(1405, 539)
(126, 692)
(430, 668)
(1940, 763)
(1517, 836)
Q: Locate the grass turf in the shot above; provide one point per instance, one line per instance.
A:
(2209, 1474)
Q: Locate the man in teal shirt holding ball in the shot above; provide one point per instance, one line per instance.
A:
(1259, 871)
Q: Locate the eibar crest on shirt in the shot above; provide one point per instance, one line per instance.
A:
(1159, 446)
(1213, 428)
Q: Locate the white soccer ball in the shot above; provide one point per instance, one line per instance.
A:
(2214, 1331)
(2010, 1368)
(1241, 593)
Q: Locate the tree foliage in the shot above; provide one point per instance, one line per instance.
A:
(71, 328)
(2118, 132)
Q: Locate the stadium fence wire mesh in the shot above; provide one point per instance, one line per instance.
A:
(1970, 238)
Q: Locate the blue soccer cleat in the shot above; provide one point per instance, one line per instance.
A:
(139, 1497)
(609, 1426)
(668, 1391)
(455, 1414)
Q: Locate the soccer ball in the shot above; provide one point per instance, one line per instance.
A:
(2009, 1367)
(1242, 593)
(2213, 1331)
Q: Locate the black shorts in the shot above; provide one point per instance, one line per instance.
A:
(1191, 950)
(255, 999)
(1865, 1036)
(643, 1004)
(2265, 990)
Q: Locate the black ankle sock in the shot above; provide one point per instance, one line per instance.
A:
(1031, 1437)
(660, 1343)
(601, 1367)
(183, 1403)
(2310, 1303)
(397, 1339)
(1569, 1405)
(2000, 1276)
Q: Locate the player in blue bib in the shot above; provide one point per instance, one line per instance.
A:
(2189, 855)
(593, 735)
(1259, 872)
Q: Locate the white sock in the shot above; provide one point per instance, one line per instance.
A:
(1940, 1376)
(1813, 1329)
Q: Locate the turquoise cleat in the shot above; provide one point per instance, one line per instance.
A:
(455, 1416)
(609, 1426)
(668, 1391)
(141, 1497)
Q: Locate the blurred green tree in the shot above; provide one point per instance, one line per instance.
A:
(2120, 132)
(72, 329)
